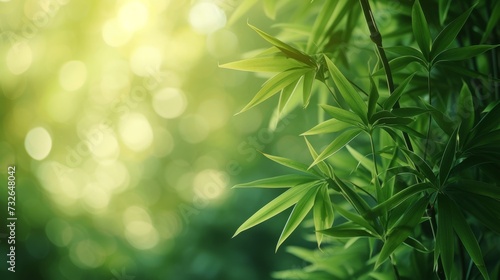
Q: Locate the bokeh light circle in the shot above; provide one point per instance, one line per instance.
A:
(38, 143)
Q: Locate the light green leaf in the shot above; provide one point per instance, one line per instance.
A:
(421, 29)
(336, 145)
(393, 99)
(285, 48)
(468, 239)
(241, 9)
(363, 160)
(298, 214)
(350, 95)
(270, 8)
(322, 165)
(373, 98)
(322, 212)
(462, 53)
(275, 63)
(307, 87)
(448, 158)
(284, 181)
(343, 115)
(449, 33)
(289, 163)
(445, 238)
(328, 126)
(401, 197)
(276, 206)
(274, 85)
(286, 94)
(402, 229)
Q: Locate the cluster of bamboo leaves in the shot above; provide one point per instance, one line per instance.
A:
(424, 195)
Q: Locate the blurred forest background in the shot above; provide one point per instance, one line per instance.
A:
(121, 127)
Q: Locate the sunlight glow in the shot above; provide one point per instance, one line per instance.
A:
(38, 143)
(135, 131)
(169, 103)
(206, 17)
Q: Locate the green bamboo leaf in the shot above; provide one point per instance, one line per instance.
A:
(299, 212)
(274, 85)
(350, 95)
(400, 64)
(393, 121)
(285, 48)
(348, 229)
(421, 29)
(468, 239)
(449, 33)
(276, 206)
(289, 163)
(270, 8)
(307, 87)
(492, 22)
(409, 111)
(444, 6)
(421, 164)
(343, 115)
(402, 51)
(442, 120)
(322, 165)
(417, 245)
(445, 238)
(465, 111)
(241, 10)
(286, 95)
(354, 198)
(355, 218)
(478, 187)
(448, 158)
(363, 160)
(398, 92)
(336, 145)
(488, 122)
(322, 212)
(408, 130)
(401, 197)
(402, 229)
(328, 126)
(483, 208)
(284, 181)
(462, 53)
(373, 98)
(275, 63)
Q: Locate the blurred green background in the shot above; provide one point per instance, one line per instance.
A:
(121, 128)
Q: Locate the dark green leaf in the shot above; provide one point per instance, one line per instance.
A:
(445, 238)
(421, 29)
(448, 158)
(492, 22)
(417, 245)
(354, 198)
(407, 51)
(373, 98)
(463, 53)
(489, 121)
(400, 197)
(355, 218)
(389, 102)
(468, 239)
(449, 33)
(444, 6)
(402, 229)
(465, 111)
(409, 111)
